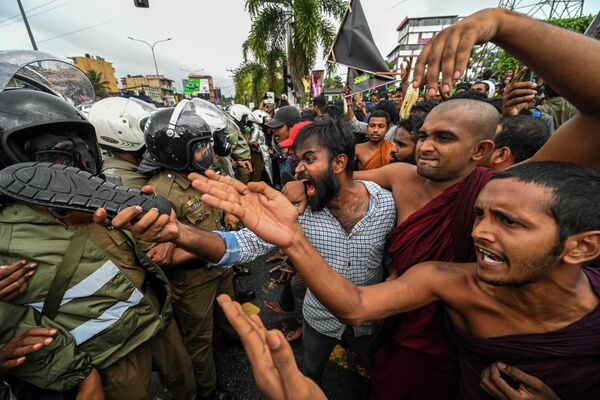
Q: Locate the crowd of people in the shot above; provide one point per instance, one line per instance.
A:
(454, 250)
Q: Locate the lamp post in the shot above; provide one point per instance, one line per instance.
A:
(190, 73)
(151, 48)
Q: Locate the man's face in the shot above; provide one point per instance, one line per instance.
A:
(480, 87)
(316, 172)
(516, 237)
(445, 146)
(398, 100)
(377, 129)
(403, 148)
(374, 98)
(281, 133)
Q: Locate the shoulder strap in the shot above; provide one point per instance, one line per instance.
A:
(64, 273)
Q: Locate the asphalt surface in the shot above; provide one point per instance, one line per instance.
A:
(343, 378)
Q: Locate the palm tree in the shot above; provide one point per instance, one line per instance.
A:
(250, 82)
(100, 86)
(310, 27)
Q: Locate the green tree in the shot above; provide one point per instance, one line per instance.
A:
(505, 61)
(100, 86)
(333, 81)
(310, 27)
(250, 80)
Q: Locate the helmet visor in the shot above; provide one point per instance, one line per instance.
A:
(42, 71)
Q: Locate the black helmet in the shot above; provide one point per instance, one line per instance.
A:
(38, 126)
(179, 139)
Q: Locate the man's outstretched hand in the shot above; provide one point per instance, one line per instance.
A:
(449, 51)
(262, 209)
(275, 370)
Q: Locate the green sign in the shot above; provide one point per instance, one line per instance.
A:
(191, 85)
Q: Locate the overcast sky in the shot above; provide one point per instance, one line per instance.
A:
(206, 34)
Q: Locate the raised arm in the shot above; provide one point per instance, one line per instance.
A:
(271, 216)
(568, 61)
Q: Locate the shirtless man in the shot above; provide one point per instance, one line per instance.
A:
(377, 151)
(528, 298)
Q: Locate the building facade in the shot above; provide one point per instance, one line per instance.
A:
(414, 34)
(100, 65)
(158, 88)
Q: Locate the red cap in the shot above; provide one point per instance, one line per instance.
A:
(293, 133)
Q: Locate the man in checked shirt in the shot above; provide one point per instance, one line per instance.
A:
(347, 222)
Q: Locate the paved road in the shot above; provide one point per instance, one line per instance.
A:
(343, 378)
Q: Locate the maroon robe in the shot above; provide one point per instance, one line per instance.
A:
(567, 360)
(419, 362)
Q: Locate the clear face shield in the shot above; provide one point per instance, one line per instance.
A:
(218, 122)
(42, 71)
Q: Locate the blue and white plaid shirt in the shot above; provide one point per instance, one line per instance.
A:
(356, 256)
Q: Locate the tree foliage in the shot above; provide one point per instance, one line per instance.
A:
(333, 81)
(506, 61)
(100, 86)
(311, 28)
(250, 80)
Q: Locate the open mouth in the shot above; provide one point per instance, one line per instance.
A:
(488, 257)
(309, 186)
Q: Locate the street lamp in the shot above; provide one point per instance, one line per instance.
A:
(151, 48)
(191, 72)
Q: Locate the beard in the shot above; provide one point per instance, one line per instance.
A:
(531, 269)
(326, 187)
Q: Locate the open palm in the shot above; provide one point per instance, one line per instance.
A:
(262, 209)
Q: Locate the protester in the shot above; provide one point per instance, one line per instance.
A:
(529, 300)
(405, 139)
(557, 107)
(520, 137)
(347, 220)
(377, 151)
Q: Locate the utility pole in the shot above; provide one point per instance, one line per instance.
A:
(27, 25)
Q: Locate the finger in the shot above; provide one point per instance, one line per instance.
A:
(519, 100)
(520, 74)
(448, 67)
(433, 64)
(7, 270)
(500, 384)
(518, 375)
(487, 385)
(215, 190)
(152, 221)
(100, 217)
(147, 189)
(463, 54)
(123, 219)
(30, 348)
(13, 363)
(285, 363)
(265, 190)
(419, 75)
(41, 332)
(32, 340)
(520, 93)
(302, 206)
(15, 286)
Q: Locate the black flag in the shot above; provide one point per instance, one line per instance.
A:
(354, 46)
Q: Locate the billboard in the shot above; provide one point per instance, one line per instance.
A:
(196, 85)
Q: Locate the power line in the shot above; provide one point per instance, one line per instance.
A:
(38, 13)
(31, 9)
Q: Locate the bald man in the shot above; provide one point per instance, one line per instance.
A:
(434, 202)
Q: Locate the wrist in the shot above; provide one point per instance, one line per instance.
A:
(299, 243)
